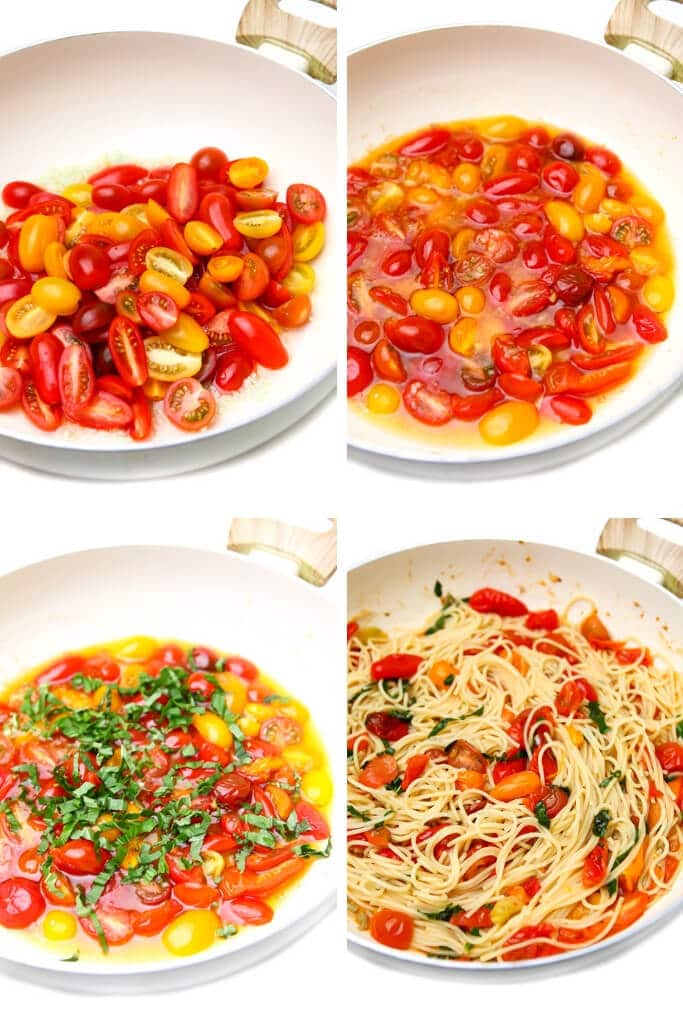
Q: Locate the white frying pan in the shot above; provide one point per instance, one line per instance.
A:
(152, 97)
(281, 622)
(456, 73)
(398, 590)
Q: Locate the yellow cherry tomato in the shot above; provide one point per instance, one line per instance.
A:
(213, 729)
(166, 362)
(308, 241)
(383, 399)
(249, 726)
(35, 235)
(422, 195)
(470, 299)
(153, 281)
(169, 262)
(25, 318)
(202, 238)
(506, 127)
(494, 161)
(138, 210)
(134, 648)
(646, 260)
(156, 214)
(599, 223)
(225, 268)
(300, 280)
(155, 390)
(508, 423)
(130, 677)
(658, 293)
(80, 224)
(248, 172)
(423, 172)
(186, 334)
(258, 223)
(649, 209)
(53, 258)
(79, 193)
(316, 787)
(540, 358)
(467, 177)
(621, 303)
(434, 304)
(385, 198)
(301, 759)
(191, 932)
(565, 219)
(462, 242)
(462, 337)
(590, 191)
(58, 925)
(56, 295)
(615, 208)
(120, 227)
(235, 690)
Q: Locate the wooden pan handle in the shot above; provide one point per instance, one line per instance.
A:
(263, 21)
(625, 537)
(634, 22)
(315, 554)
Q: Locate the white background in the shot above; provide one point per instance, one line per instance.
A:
(568, 507)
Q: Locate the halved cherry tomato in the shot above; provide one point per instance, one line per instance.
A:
(183, 193)
(159, 312)
(428, 403)
(79, 857)
(498, 602)
(189, 405)
(379, 771)
(128, 351)
(76, 378)
(44, 416)
(595, 866)
(10, 387)
(141, 426)
(139, 247)
(246, 910)
(306, 204)
(103, 412)
(21, 902)
(232, 369)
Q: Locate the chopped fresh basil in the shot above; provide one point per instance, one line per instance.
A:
(438, 589)
(597, 716)
(442, 915)
(353, 812)
(601, 821)
(541, 813)
(226, 931)
(305, 850)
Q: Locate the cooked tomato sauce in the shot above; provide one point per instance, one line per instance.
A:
(502, 274)
(140, 285)
(154, 796)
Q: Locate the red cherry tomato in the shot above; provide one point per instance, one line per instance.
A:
(10, 387)
(119, 174)
(183, 193)
(139, 247)
(392, 928)
(158, 311)
(245, 910)
(128, 351)
(189, 405)
(253, 279)
(79, 857)
(45, 417)
(19, 194)
(103, 412)
(232, 369)
(89, 266)
(497, 601)
(45, 351)
(257, 339)
(305, 203)
(21, 902)
(76, 377)
(210, 163)
(358, 370)
(426, 144)
(141, 426)
(428, 402)
(415, 334)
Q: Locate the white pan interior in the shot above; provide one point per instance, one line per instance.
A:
(86, 100)
(398, 590)
(227, 601)
(457, 73)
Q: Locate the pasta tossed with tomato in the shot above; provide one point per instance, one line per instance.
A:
(515, 780)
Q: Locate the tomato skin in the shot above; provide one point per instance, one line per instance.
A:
(232, 369)
(141, 427)
(415, 334)
(246, 910)
(387, 726)
(428, 403)
(306, 204)
(89, 266)
(511, 766)
(426, 144)
(253, 280)
(128, 351)
(520, 387)
(21, 902)
(498, 602)
(79, 857)
(211, 163)
(670, 756)
(217, 210)
(258, 339)
(392, 928)
(472, 407)
(119, 174)
(571, 410)
(595, 866)
(511, 184)
(572, 695)
(183, 192)
(648, 325)
(154, 919)
(189, 405)
(395, 666)
(548, 620)
(379, 771)
(44, 354)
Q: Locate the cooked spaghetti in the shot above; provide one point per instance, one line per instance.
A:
(515, 780)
